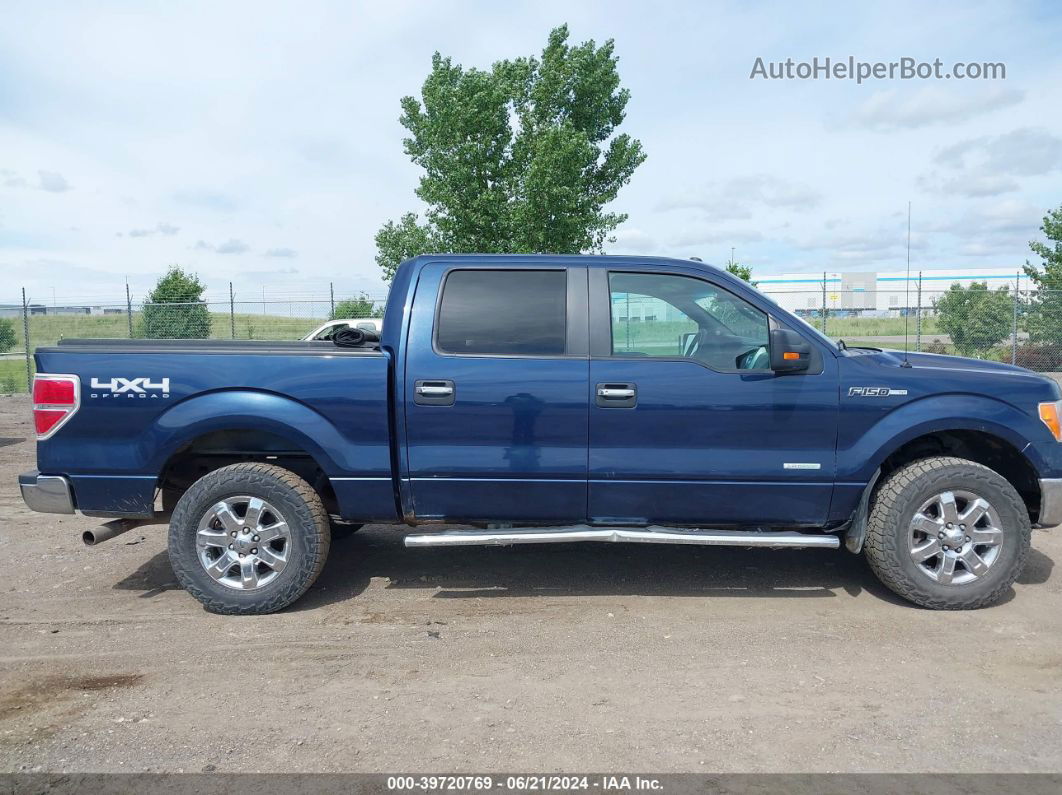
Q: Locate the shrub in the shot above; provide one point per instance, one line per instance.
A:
(976, 318)
(1044, 358)
(362, 306)
(175, 309)
(7, 334)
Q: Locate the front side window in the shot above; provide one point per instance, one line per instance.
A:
(503, 312)
(691, 319)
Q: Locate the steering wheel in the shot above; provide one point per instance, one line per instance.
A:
(754, 359)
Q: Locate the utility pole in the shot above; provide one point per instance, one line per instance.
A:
(824, 302)
(129, 309)
(1014, 328)
(26, 340)
(918, 316)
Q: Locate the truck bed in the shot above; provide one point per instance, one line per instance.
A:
(144, 402)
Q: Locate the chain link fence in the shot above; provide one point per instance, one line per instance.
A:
(36, 324)
(1022, 327)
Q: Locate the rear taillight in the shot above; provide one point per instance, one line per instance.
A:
(56, 398)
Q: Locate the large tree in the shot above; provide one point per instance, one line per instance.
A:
(519, 158)
(1044, 309)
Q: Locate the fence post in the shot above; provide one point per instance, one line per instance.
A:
(824, 302)
(129, 309)
(918, 317)
(1014, 327)
(232, 312)
(26, 340)
(331, 301)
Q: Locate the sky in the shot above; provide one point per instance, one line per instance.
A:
(259, 142)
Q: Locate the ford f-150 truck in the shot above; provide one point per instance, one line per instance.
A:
(542, 399)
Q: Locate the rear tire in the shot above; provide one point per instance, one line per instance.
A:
(248, 539)
(947, 534)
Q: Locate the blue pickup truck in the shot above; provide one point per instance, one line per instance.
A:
(539, 399)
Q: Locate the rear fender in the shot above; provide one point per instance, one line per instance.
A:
(253, 410)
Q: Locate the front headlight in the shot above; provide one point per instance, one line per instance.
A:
(1050, 414)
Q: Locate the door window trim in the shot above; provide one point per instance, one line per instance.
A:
(576, 327)
(601, 324)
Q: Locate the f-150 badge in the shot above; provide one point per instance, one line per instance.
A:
(874, 391)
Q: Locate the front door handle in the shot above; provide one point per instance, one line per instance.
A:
(434, 393)
(617, 396)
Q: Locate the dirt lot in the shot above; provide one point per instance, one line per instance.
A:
(522, 659)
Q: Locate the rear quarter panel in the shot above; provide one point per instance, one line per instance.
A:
(333, 406)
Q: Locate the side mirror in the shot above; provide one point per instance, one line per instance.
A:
(790, 353)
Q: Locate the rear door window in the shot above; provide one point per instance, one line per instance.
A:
(503, 312)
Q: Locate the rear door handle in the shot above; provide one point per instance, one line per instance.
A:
(617, 396)
(434, 393)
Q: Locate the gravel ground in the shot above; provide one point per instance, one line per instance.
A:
(603, 658)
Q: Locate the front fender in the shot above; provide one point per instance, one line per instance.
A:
(864, 452)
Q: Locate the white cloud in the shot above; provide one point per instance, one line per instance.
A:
(52, 181)
(230, 246)
(161, 228)
(282, 252)
(734, 198)
(907, 108)
(990, 165)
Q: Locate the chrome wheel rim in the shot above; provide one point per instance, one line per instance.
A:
(955, 537)
(243, 542)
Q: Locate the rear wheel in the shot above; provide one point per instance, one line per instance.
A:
(948, 534)
(248, 538)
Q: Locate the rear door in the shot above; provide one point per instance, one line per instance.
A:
(688, 424)
(496, 393)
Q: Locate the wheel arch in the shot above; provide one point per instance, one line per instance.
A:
(211, 431)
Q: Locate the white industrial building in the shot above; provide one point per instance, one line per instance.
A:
(863, 293)
(883, 291)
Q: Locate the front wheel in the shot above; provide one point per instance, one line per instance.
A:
(248, 538)
(948, 534)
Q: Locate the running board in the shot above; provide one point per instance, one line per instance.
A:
(642, 535)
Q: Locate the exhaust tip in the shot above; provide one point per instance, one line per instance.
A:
(89, 538)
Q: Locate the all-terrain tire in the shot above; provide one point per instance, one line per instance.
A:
(894, 505)
(301, 509)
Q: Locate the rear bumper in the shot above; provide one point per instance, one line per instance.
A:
(47, 493)
(1050, 502)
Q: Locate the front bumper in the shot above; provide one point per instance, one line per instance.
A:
(49, 493)
(1050, 502)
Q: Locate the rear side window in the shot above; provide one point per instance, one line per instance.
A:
(503, 312)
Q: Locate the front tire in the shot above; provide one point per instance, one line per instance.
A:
(947, 534)
(248, 539)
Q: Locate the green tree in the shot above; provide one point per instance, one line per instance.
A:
(362, 306)
(175, 308)
(7, 335)
(741, 271)
(976, 318)
(1043, 311)
(520, 158)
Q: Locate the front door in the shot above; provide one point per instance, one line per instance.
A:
(496, 393)
(688, 425)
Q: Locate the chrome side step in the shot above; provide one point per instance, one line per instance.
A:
(636, 535)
